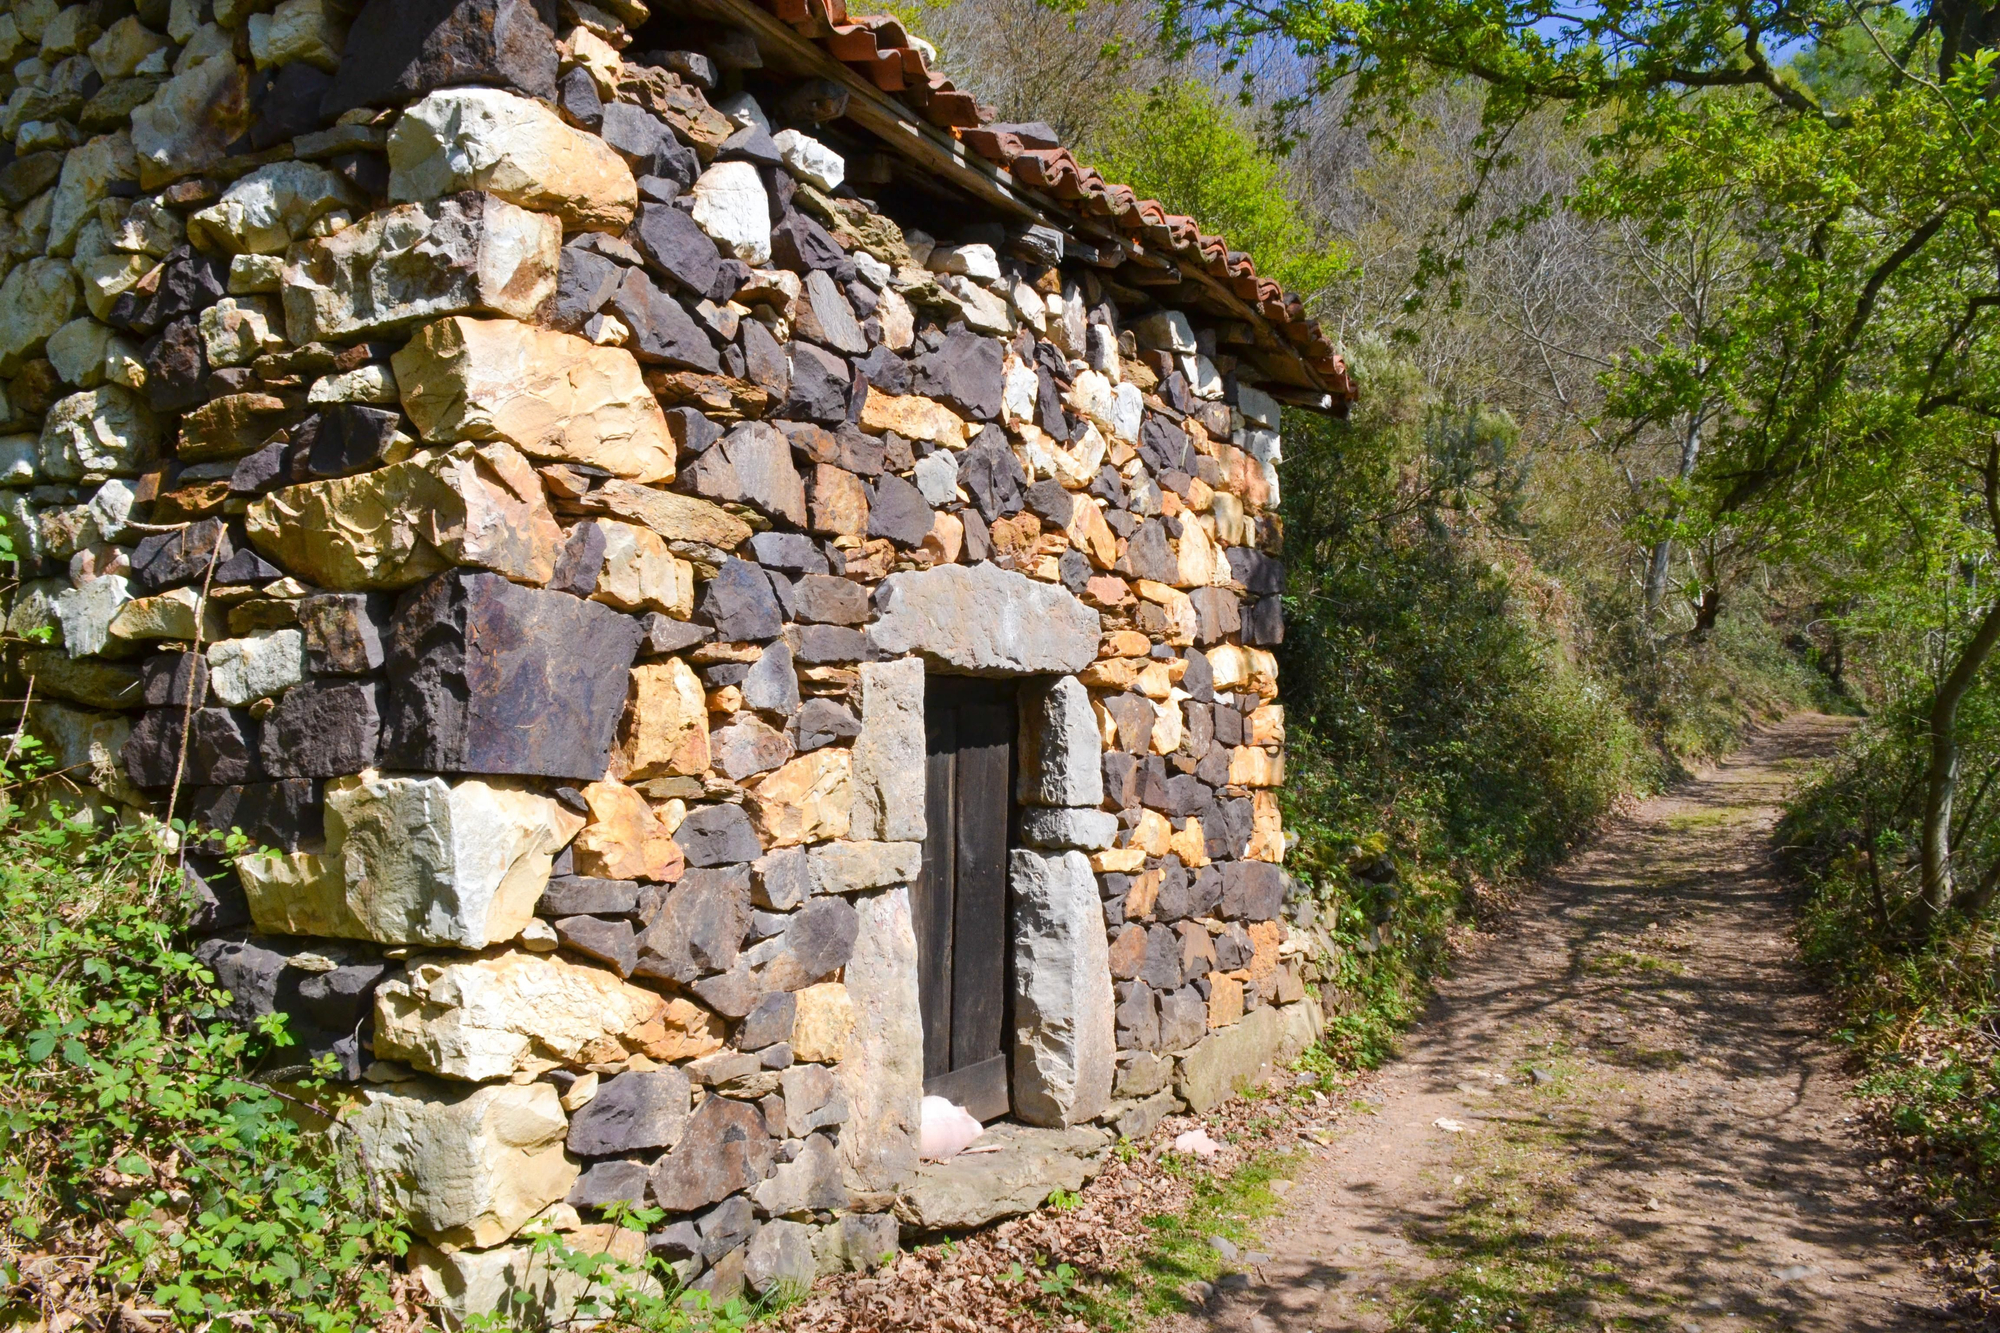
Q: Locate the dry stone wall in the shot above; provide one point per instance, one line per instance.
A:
(517, 480)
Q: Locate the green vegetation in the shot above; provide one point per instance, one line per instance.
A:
(1177, 1252)
(1798, 380)
(144, 1162)
(1182, 143)
(147, 1164)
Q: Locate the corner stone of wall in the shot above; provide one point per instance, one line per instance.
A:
(523, 488)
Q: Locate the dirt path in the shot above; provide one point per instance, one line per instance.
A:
(1618, 1115)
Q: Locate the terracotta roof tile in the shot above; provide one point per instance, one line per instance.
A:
(879, 49)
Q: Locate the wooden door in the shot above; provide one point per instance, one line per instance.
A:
(960, 900)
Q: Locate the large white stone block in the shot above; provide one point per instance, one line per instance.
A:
(108, 430)
(490, 1018)
(1065, 1037)
(553, 396)
(470, 1167)
(268, 209)
(1061, 749)
(889, 753)
(882, 1072)
(462, 254)
(490, 139)
(731, 206)
(430, 862)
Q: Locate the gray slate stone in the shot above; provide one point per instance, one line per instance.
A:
(966, 372)
(739, 604)
(822, 722)
(1252, 890)
(397, 52)
(327, 1007)
(632, 1111)
(724, 1148)
(752, 465)
(831, 600)
(769, 1021)
(783, 881)
(1048, 501)
(1183, 1019)
(1134, 717)
(174, 679)
(800, 244)
(620, 1180)
(663, 333)
(283, 814)
(168, 559)
(1217, 615)
(1255, 570)
(897, 510)
(661, 635)
(700, 926)
(825, 316)
(1137, 1016)
(726, 1226)
(1151, 556)
(607, 939)
(487, 676)
(821, 385)
(578, 895)
(1162, 966)
(676, 248)
(717, 835)
(221, 751)
(324, 729)
(764, 361)
(820, 644)
(772, 683)
(817, 941)
(585, 283)
(992, 476)
(788, 552)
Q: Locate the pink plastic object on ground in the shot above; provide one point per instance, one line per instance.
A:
(947, 1129)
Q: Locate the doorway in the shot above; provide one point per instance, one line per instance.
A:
(959, 902)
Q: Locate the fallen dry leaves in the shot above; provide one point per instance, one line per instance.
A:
(965, 1286)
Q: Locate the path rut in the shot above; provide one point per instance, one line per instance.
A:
(1619, 1113)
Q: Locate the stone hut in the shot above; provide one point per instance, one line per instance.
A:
(726, 591)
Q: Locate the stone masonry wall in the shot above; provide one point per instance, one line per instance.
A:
(516, 478)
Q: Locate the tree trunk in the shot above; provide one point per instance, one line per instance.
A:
(1941, 777)
(1706, 610)
(1936, 893)
(1656, 574)
(1661, 559)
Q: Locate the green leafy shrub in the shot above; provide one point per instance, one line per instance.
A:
(1918, 1006)
(144, 1163)
(1442, 734)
